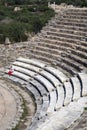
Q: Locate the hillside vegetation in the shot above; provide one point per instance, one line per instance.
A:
(18, 24)
(80, 3)
(30, 18)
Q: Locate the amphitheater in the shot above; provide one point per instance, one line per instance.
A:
(49, 73)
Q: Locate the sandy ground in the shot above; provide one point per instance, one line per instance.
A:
(10, 101)
(8, 108)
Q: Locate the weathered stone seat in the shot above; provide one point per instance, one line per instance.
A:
(42, 58)
(32, 62)
(47, 49)
(77, 87)
(27, 66)
(68, 27)
(52, 103)
(51, 78)
(65, 30)
(45, 97)
(78, 59)
(16, 79)
(45, 82)
(68, 92)
(61, 97)
(67, 35)
(38, 100)
(58, 74)
(20, 75)
(35, 92)
(44, 53)
(83, 81)
(53, 37)
(69, 69)
(69, 61)
(39, 86)
(24, 70)
(77, 10)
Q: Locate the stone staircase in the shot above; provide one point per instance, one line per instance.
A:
(63, 41)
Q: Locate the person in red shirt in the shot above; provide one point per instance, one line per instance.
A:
(10, 72)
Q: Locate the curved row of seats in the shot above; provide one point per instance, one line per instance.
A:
(49, 86)
(63, 41)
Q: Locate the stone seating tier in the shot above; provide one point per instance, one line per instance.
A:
(74, 16)
(57, 49)
(65, 30)
(68, 26)
(77, 10)
(54, 43)
(49, 86)
(76, 87)
(65, 35)
(49, 96)
(76, 65)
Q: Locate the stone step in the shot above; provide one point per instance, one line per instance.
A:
(41, 58)
(58, 74)
(62, 18)
(24, 71)
(52, 103)
(61, 97)
(67, 61)
(78, 59)
(16, 79)
(51, 77)
(59, 46)
(65, 30)
(83, 81)
(77, 87)
(47, 49)
(20, 75)
(80, 53)
(68, 93)
(52, 43)
(26, 66)
(77, 13)
(44, 53)
(44, 109)
(32, 62)
(34, 91)
(74, 16)
(45, 82)
(45, 97)
(66, 67)
(77, 10)
(39, 86)
(72, 27)
(69, 50)
(38, 99)
(53, 37)
(58, 34)
(63, 22)
(71, 62)
(82, 48)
